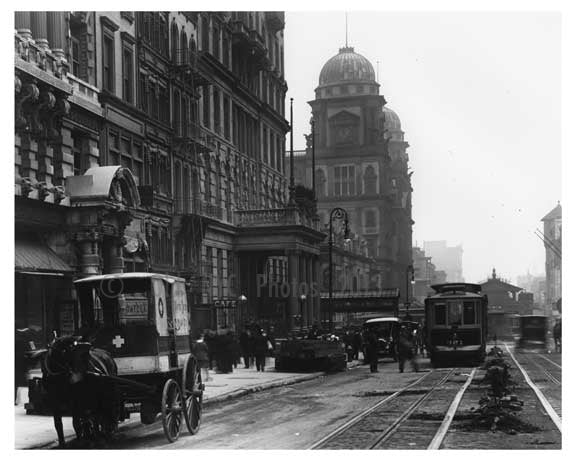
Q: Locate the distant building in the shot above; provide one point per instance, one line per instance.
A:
(361, 164)
(535, 284)
(505, 297)
(448, 259)
(553, 243)
(425, 275)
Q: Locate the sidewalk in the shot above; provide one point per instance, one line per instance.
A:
(33, 431)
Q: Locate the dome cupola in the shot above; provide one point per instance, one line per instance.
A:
(347, 67)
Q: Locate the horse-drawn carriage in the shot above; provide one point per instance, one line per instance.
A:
(130, 353)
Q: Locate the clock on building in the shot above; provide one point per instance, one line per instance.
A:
(344, 134)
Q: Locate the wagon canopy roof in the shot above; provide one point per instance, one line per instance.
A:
(383, 319)
(131, 275)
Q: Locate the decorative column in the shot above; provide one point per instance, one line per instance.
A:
(56, 23)
(38, 21)
(293, 278)
(23, 24)
(89, 244)
(115, 256)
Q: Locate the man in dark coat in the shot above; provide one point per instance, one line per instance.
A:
(371, 341)
(246, 346)
(260, 350)
(557, 332)
(406, 349)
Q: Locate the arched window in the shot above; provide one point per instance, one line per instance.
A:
(186, 190)
(320, 183)
(178, 196)
(205, 33)
(370, 181)
(183, 51)
(174, 41)
(192, 51)
(176, 121)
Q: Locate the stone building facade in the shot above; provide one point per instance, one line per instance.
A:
(154, 141)
(361, 165)
(552, 239)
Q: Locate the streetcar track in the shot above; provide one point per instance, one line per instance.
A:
(366, 413)
(404, 416)
(557, 420)
(551, 361)
(392, 428)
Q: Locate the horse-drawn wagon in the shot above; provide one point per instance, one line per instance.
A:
(141, 322)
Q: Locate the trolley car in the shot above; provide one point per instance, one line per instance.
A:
(533, 332)
(456, 324)
(142, 320)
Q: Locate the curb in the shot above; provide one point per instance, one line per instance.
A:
(261, 387)
(209, 402)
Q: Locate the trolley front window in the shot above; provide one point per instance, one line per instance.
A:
(440, 314)
(469, 315)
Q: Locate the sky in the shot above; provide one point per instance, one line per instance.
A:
(479, 97)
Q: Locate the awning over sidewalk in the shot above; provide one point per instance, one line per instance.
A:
(33, 256)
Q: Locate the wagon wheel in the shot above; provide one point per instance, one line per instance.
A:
(172, 404)
(193, 390)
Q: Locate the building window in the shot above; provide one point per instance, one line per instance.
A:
(78, 158)
(108, 62)
(206, 107)
(217, 124)
(128, 75)
(164, 104)
(227, 117)
(344, 180)
(176, 113)
(205, 33)
(143, 90)
(75, 56)
(370, 179)
(225, 48)
(216, 42)
(320, 183)
(113, 148)
(370, 222)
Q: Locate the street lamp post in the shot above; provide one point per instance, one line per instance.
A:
(336, 213)
(242, 300)
(302, 300)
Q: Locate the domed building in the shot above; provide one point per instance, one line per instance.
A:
(362, 166)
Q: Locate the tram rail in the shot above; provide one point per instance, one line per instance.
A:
(381, 425)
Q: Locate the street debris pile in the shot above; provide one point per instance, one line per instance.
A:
(498, 406)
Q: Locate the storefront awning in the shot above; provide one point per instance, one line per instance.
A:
(33, 256)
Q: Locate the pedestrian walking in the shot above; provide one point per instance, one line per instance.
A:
(260, 350)
(246, 343)
(557, 332)
(200, 351)
(371, 348)
(406, 349)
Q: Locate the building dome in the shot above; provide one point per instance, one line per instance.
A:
(347, 67)
(391, 120)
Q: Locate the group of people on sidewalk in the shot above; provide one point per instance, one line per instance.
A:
(224, 352)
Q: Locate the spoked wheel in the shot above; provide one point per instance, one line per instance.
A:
(172, 406)
(193, 390)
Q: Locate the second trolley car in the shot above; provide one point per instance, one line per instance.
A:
(456, 324)
(533, 332)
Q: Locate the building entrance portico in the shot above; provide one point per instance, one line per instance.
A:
(278, 262)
